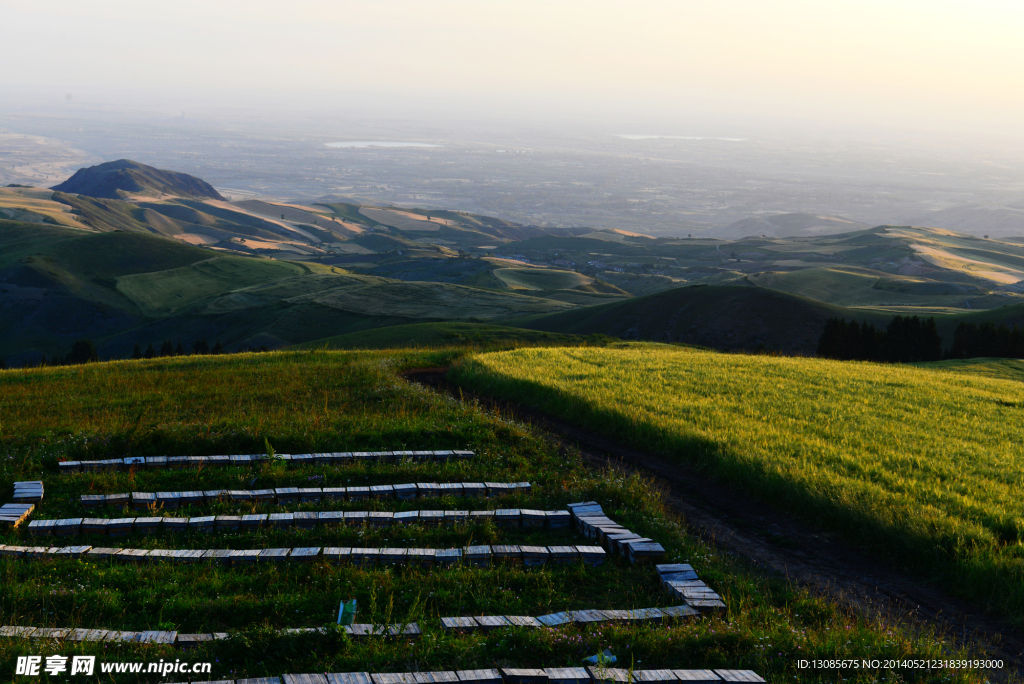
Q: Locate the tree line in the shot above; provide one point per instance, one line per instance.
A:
(971, 340)
(200, 346)
(82, 351)
(907, 339)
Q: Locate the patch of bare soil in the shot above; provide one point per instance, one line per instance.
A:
(812, 558)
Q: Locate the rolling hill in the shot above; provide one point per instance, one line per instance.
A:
(149, 266)
(120, 288)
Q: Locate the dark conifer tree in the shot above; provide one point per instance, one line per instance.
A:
(961, 346)
(167, 349)
(871, 341)
(930, 342)
(830, 342)
(82, 351)
(150, 352)
(137, 352)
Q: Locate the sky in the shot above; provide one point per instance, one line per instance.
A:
(899, 64)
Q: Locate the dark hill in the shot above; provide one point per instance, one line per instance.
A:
(729, 317)
(111, 179)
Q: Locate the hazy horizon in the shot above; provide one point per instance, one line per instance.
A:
(669, 68)
(661, 117)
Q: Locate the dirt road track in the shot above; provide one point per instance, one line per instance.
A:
(812, 558)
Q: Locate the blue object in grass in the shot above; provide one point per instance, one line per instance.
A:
(605, 658)
(347, 612)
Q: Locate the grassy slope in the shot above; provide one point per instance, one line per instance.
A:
(235, 217)
(196, 219)
(105, 214)
(348, 401)
(19, 240)
(920, 465)
(855, 287)
(94, 255)
(160, 293)
(541, 278)
(439, 301)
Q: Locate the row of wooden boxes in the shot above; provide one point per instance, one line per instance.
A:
(508, 675)
(28, 492)
(298, 495)
(561, 675)
(590, 519)
(119, 527)
(680, 580)
(478, 556)
(487, 623)
(108, 635)
(13, 514)
(409, 630)
(338, 457)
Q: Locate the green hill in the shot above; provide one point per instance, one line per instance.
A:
(162, 292)
(123, 288)
(718, 316)
(866, 288)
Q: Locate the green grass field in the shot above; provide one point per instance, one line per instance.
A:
(333, 401)
(923, 465)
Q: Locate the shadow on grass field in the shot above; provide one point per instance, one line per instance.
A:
(341, 401)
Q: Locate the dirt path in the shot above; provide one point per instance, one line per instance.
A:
(812, 558)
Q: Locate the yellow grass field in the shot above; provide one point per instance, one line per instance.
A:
(923, 465)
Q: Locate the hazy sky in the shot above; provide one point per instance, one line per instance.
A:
(955, 65)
